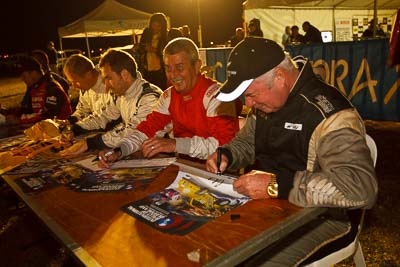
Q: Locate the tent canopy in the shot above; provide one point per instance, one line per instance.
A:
(346, 19)
(111, 18)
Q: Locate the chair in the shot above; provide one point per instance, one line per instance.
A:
(354, 248)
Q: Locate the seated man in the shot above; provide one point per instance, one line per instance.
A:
(135, 100)
(46, 98)
(43, 59)
(305, 142)
(93, 96)
(199, 122)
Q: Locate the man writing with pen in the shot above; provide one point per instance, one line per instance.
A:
(199, 122)
(134, 98)
(304, 142)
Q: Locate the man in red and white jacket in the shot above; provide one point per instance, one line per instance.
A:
(199, 122)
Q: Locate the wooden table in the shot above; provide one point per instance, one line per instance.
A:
(98, 233)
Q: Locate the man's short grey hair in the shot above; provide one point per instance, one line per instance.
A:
(287, 63)
(182, 44)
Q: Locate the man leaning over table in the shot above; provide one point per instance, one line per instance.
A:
(135, 99)
(307, 134)
(200, 123)
(93, 96)
(45, 98)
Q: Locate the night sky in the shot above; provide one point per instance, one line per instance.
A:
(30, 24)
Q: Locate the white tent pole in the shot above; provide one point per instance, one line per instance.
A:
(87, 45)
(60, 41)
(375, 19)
(334, 24)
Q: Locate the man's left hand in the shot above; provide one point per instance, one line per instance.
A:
(253, 184)
(153, 146)
(75, 149)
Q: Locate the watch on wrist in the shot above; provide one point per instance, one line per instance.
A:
(272, 188)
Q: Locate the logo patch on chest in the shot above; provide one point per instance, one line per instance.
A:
(324, 103)
(52, 100)
(293, 126)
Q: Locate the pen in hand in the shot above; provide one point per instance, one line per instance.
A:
(219, 161)
(97, 158)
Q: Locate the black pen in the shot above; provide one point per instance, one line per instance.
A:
(219, 152)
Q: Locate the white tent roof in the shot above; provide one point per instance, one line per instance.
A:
(346, 4)
(111, 18)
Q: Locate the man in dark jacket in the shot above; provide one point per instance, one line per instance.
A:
(304, 142)
(313, 35)
(46, 98)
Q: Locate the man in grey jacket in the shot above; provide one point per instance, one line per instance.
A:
(135, 99)
(304, 142)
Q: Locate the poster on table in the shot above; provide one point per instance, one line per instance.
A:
(193, 199)
(85, 176)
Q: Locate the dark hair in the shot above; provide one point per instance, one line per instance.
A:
(183, 44)
(173, 33)
(42, 57)
(160, 18)
(118, 61)
(28, 63)
(255, 22)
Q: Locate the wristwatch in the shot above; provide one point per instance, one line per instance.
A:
(272, 188)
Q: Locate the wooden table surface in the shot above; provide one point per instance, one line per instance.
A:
(94, 228)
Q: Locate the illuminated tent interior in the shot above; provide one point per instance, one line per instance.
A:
(275, 15)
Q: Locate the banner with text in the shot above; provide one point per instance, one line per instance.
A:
(360, 71)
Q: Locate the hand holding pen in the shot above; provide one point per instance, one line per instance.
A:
(106, 157)
(217, 162)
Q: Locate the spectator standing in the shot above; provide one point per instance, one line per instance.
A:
(239, 36)
(185, 29)
(313, 35)
(135, 100)
(173, 33)
(304, 142)
(255, 28)
(369, 32)
(381, 31)
(286, 36)
(52, 54)
(152, 43)
(296, 37)
(46, 98)
(199, 122)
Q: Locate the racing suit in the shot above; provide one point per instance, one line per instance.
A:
(133, 107)
(45, 100)
(316, 146)
(93, 101)
(200, 123)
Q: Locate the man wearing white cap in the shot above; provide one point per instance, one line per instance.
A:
(304, 142)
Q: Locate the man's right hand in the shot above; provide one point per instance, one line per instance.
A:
(211, 164)
(107, 157)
